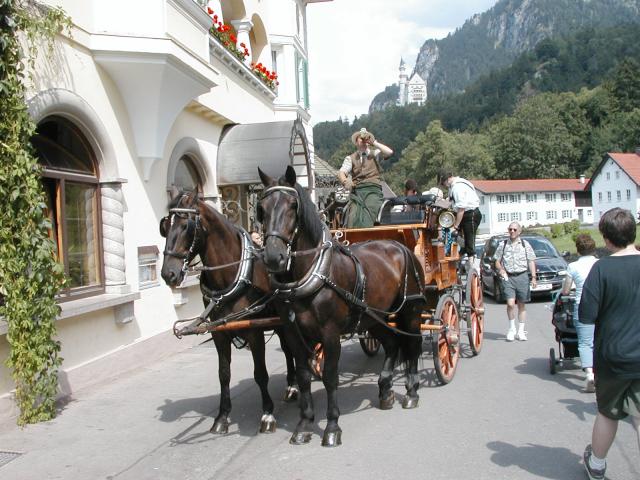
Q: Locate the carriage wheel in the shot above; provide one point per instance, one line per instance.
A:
(553, 365)
(370, 346)
(475, 315)
(317, 361)
(446, 348)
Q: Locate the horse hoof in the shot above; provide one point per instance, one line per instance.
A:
(300, 438)
(291, 395)
(332, 439)
(387, 402)
(410, 402)
(267, 423)
(220, 427)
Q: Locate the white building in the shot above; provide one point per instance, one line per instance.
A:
(412, 90)
(138, 98)
(616, 183)
(532, 202)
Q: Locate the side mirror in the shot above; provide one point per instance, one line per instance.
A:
(565, 254)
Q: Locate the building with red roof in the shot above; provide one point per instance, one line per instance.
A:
(616, 183)
(532, 202)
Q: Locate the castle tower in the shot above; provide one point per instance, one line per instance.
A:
(402, 83)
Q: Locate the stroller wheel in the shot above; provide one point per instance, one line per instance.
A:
(552, 361)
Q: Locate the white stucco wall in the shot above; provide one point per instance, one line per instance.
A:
(605, 187)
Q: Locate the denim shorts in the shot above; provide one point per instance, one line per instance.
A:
(517, 286)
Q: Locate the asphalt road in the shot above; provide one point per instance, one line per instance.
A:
(502, 417)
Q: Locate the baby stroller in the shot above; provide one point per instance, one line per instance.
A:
(566, 336)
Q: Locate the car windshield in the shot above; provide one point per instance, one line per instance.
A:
(542, 247)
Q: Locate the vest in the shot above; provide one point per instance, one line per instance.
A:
(364, 171)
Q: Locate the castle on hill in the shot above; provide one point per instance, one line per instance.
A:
(412, 90)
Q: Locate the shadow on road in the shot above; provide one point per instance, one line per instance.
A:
(541, 461)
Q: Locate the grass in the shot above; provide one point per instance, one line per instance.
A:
(566, 243)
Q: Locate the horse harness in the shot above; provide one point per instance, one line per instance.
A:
(318, 276)
(218, 298)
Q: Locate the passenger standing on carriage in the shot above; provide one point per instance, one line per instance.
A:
(576, 274)
(514, 260)
(364, 181)
(611, 302)
(466, 203)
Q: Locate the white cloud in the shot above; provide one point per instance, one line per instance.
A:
(355, 46)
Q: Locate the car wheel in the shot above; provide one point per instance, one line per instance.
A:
(497, 291)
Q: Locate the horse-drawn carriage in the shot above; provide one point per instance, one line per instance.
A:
(392, 284)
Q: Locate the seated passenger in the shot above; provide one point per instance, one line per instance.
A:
(360, 175)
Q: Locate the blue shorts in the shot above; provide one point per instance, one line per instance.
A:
(517, 286)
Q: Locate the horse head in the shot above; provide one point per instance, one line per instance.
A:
(278, 212)
(183, 232)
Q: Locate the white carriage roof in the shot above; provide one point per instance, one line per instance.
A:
(271, 146)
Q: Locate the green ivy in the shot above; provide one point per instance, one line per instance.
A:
(30, 276)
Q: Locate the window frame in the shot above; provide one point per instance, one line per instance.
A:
(61, 177)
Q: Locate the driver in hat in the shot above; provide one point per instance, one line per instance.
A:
(360, 175)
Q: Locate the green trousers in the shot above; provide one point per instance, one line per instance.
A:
(364, 204)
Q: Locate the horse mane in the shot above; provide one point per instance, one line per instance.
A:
(309, 219)
(176, 200)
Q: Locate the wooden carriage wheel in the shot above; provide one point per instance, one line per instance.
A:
(370, 346)
(475, 315)
(317, 361)
(446, 351)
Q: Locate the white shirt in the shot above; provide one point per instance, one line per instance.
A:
(578, 272)
(347, 165)
(463, 194)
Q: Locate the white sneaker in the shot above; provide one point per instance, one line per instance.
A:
(589, 383)
(511, 335)
(522, 336)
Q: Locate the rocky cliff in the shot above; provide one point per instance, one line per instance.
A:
(492, 39)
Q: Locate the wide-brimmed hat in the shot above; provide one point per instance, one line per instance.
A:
(364, 135)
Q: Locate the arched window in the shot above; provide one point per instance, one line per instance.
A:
(71, 185)
(186, 176)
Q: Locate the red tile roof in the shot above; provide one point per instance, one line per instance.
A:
(630, 163)
(531, 185)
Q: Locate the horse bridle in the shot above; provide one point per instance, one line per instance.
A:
(186, 257)
(292, 192)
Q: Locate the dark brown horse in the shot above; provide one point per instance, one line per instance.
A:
(329, 296)
(194, 228)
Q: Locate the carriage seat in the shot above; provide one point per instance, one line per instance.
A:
(412, 209)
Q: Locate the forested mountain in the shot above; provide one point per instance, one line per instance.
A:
(493, 39)
(554, 112)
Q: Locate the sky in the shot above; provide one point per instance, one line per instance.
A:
(355, 46)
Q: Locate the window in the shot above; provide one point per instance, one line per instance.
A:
(550, 197)
(532, 215)
(187, 176)
(516, 216)
(514, 198)
(552, 214)
(302, 82)
(501, 198)
(628, 194)
(532, 197)
(600, 197)
(566, 213)
(73, 203)
(503, 217)
(618, 195)
(608, 196)
(148, 266)
(608, 175)
(565, 197)
(617, 174)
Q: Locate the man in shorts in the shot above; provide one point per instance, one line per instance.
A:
(610, 300)
(515, 259)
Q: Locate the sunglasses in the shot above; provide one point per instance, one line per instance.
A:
(512, 229)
